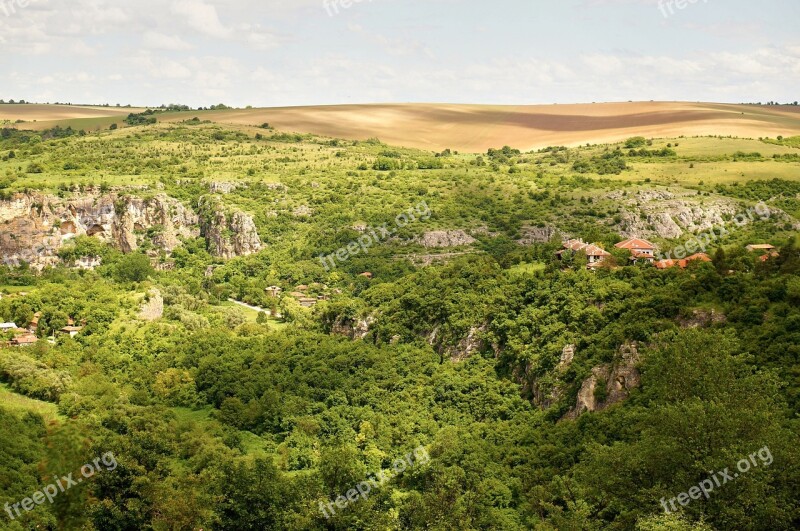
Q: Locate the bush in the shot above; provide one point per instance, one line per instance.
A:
(635, 142)
(34, 167)
(32, 378)
(133, 268)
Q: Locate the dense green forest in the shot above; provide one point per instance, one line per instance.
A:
(480, 352)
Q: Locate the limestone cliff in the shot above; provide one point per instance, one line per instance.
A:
(34, 226)
(651, 213)
(609, 384)
(228, 235)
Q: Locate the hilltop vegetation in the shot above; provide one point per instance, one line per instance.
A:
(460, 331)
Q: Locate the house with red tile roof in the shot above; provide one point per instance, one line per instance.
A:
(684, 263)
(766, 257)
(594, 253)
(25, 340)
(640, 249)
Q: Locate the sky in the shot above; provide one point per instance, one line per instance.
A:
(268, 53)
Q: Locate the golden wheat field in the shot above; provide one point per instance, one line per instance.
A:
(467, 128)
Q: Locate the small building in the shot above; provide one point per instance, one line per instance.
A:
(301, 287)
(768, 256)
(71, 330)
(366, 274)
(594, 253)
(5, 327)
(34, 326)
(307, 302)
(760, 247)
(273, 291)
(640, 249)
(684, 263)
(25, 340)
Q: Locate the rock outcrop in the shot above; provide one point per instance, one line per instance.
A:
(166, 217)
(657, 213)
(356, 328)
(609, 384)
(468, 346)
(153, 307)
(531, 235)
(702, 318)
(440, 239)
(228, 235)
(34, 226)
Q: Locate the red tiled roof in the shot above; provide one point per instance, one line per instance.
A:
(635, 243)
(699, 256)
(594, 250)
(589, 249)
(24, 340)
(666, 264)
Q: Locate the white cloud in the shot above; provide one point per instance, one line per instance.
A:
(201, 17)
(159, 41)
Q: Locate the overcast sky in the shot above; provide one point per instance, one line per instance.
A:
(299, 52)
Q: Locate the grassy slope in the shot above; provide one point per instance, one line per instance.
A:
(20, 404)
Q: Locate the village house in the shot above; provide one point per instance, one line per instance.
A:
(640, 249)
(71, 330)
(683, 264)
(760, 247)
(25, 340)
(307, 302)
(5, 327)
(34, 326)
(594, 253)
(273, 291)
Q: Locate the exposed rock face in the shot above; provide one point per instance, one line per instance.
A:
(353, 328)
(227, 238)
(303, 211)
(34, 226)
(702, 318)
(567, 355)
(531, 235)
(617, 380)
(468, 346)
(446, 238)
(88, 262)
(153, 309)
(28, 232)
(222, 187)
(651, 213)
(161, 212)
